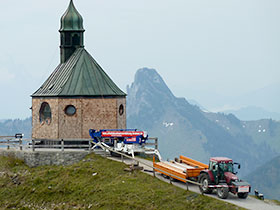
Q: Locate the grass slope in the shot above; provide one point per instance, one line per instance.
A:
(77, 187)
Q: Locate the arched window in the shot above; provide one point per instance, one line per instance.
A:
(76, 40)
(121, 110)
(68, 39)
(45, 113)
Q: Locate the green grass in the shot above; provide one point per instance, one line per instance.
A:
(75, 187)
(276, 202)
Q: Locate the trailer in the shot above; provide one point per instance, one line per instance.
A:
(220, 175)
(180, 169)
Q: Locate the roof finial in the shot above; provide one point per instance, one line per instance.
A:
(71, 20)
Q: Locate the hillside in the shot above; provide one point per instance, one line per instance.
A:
(94, 183)
(185, 129)
(265, 132)
(266, 179)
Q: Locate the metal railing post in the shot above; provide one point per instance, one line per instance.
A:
(89, 146)
(20, 144)
(187, 186)
(62, 145)
(154, 160)
(156, 143)
(187, 182)
(33, 145)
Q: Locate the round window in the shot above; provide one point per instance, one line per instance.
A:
(70, 110)
(121, 109)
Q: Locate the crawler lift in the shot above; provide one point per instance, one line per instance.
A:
(128, 141)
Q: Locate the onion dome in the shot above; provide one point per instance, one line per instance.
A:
(71, 20)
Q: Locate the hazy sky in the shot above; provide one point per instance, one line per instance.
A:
(205, 50)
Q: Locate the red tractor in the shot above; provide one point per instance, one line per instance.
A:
(221, 176)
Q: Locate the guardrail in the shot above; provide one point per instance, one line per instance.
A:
(61, 144)
(9, 141)
(33, 144)
(17, 141)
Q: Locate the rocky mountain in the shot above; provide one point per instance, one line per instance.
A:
(11, 127)
(185, 129)
(266, 179)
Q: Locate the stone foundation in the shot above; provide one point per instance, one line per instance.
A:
(41, 158)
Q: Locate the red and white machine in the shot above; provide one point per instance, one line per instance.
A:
(128, 141)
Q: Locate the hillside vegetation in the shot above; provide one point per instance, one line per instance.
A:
(94, 183)
(266, 179)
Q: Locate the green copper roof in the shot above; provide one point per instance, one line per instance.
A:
(71, 20)
(80, 75)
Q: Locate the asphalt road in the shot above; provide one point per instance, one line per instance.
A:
(249, 203)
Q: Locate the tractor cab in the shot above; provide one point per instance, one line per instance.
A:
(222, 169)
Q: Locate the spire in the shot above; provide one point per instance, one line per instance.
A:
(71, 32)
(71, 20)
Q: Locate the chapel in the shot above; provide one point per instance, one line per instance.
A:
(78, 95)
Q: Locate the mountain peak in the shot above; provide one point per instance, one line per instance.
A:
(148, 94)
(148, 81)
(147, 74)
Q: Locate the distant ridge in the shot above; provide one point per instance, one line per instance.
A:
(253, 113)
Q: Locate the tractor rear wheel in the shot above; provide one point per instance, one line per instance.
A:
(222, 192)
(242, 195)
(204, 181)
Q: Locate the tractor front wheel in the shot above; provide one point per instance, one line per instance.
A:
(242, 195)
(204, 181)
(222, 192)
